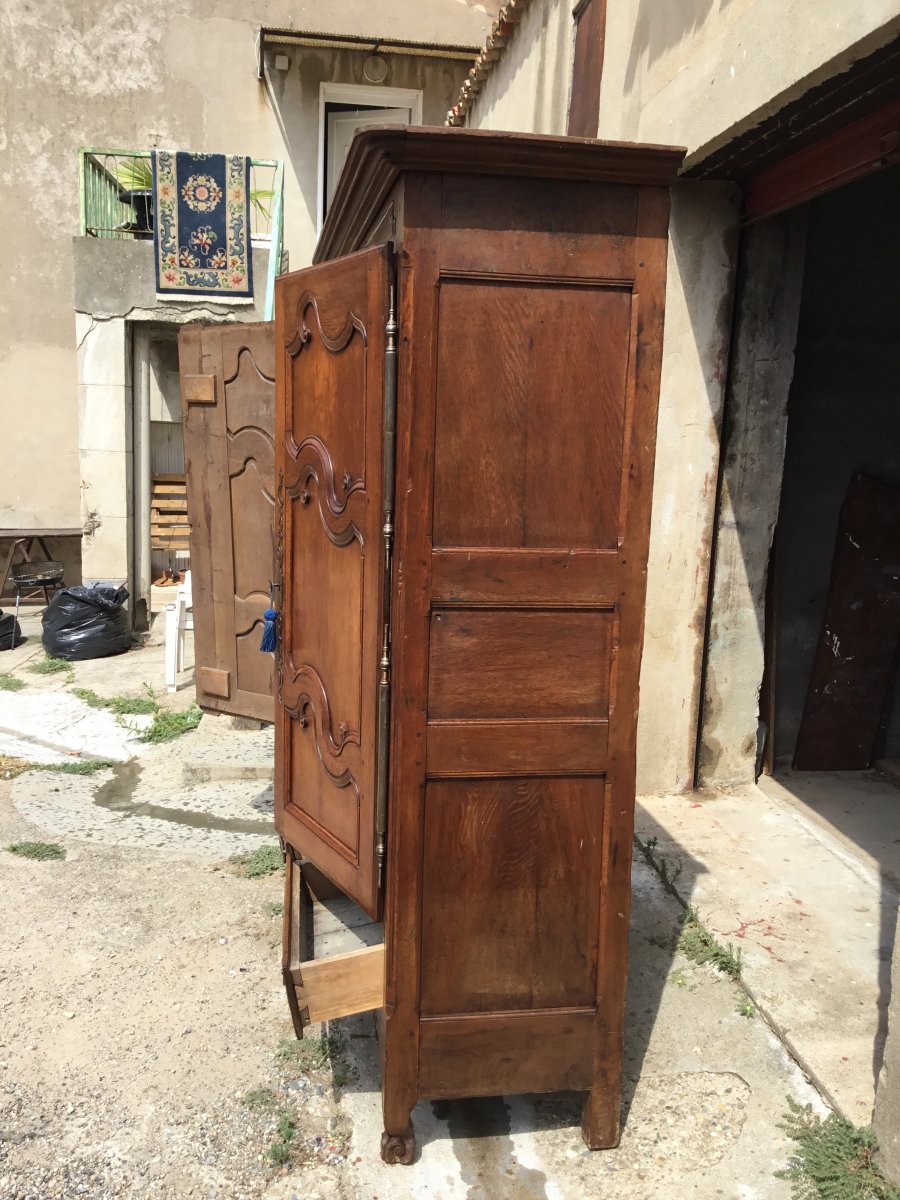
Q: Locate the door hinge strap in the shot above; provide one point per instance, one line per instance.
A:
(388, 487)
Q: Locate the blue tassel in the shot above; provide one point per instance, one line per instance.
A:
(270, 631)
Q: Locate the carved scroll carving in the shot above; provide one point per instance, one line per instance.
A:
(316, 697)
(335, 343)
(316, 466)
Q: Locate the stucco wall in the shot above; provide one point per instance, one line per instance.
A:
(528, 89)
(699, 72)
(294, 96)
(134, 76)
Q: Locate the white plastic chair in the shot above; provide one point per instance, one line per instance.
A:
(179, 617)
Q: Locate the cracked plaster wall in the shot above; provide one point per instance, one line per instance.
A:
(133, 76)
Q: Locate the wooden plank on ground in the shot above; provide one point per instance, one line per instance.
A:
(855, 660)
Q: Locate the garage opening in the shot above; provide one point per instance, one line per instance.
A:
(830, 701)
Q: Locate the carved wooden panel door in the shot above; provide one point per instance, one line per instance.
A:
(228, 404)
(330, 330)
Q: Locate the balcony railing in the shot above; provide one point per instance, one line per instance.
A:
(116, 186)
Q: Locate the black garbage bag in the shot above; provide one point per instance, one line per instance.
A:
(86, 622)
(7, 622)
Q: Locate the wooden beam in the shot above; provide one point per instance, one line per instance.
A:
(858, 149)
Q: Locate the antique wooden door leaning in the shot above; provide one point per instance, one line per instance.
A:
(228, 405)
(457, 672)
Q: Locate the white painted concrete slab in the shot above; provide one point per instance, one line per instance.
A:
(63, 723)
(815, 924)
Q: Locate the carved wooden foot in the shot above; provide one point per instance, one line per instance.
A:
(398, 1147)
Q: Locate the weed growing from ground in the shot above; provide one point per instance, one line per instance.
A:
(9, 683)
(280, 1150)
(50, 666)
(78, 766)
(124, 706)
(747, 1008)
(261, 1099)
(273, 908)
(307, 1054)
(264, 861)
(11, 767)
(168, 724)
(701, 947)
(40, 851)
(667, 871)
(832, 1159)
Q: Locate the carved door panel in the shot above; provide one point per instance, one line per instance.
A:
(330, 330)
(228, 404)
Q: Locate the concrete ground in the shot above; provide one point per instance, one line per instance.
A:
(141, 1001)
(801, 873)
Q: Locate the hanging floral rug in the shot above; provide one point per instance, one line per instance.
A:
(201, 228)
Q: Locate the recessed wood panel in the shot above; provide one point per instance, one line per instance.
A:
(511, 894)
(498, 663)
(506, 1054)
(518, 747)
(324, 793)
(539, 578)
(529, 452)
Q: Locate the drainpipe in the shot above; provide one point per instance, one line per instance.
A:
(141, 494)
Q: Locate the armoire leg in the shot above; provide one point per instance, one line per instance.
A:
(398, 1147)
(600, 1121)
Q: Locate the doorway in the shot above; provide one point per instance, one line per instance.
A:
(343, 109)
(843, 418)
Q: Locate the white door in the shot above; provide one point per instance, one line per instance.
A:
(341, 127)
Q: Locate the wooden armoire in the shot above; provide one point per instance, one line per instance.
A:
(466, 400)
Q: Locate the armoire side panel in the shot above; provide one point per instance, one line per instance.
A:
(530, 418)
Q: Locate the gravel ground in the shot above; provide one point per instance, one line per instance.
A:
(140, 1003)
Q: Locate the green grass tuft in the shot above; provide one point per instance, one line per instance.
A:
(264, 861)
(9, 683)
(280, 1150)
(78, 766)
(833, 1160)
(701, 947)
(122, 706)
(307, 1054)
(50, 666)
(40, 851)
(273, 908)
(167, 724)
(261, 1099)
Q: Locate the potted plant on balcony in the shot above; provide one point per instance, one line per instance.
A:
(135, 177)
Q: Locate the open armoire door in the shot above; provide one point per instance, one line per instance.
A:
(329, 774)
(228, 405)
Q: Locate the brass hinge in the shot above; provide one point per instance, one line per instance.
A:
(387, 530)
